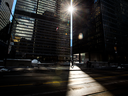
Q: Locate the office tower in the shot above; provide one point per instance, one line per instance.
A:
(104, 30)
(43, 30)
(5, 13)
(4, 25)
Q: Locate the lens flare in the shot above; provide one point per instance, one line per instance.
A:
(80, 36)
(70, 9)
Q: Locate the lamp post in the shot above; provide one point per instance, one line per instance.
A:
(71, 29)
(9, 32)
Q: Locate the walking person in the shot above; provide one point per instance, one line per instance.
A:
(72, 65)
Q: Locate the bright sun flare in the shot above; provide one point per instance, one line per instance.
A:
(70, 9)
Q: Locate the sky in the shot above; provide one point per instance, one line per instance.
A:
(13, 9)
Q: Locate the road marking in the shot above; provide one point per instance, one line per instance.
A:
(8, 85)
(55, 82)
(25, 84)
(16, 85)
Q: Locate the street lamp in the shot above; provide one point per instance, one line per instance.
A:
(9, 31)
(71, 29)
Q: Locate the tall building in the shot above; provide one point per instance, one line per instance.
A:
(104, 30)
(43, 30)
(4, 25)
(5, 13)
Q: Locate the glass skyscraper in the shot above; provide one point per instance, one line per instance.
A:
(5, 13)
(43, 30)
(104, 30)
(4, 26)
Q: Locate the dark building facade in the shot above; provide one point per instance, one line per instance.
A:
(4, 26)
(104, 30)
(43, 30)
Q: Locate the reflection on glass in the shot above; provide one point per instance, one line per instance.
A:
(28, 5)
(25, 27)
(46, 6)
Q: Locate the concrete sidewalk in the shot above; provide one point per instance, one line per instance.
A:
(64, 68)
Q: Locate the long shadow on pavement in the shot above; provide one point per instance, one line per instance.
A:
(35, 83)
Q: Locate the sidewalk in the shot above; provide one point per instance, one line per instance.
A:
(63, 68)
(53, 68)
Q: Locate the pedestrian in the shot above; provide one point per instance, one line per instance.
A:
(72, 63)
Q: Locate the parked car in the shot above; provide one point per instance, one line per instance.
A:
(35, 62)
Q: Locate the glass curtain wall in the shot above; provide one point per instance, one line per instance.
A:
(4, 26)
(41, 32)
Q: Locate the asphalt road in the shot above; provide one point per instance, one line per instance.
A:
(64, 81)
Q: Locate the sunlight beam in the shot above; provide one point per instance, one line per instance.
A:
(81, 84)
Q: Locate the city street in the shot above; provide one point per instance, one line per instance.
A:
(63, 48)
(64, 81)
